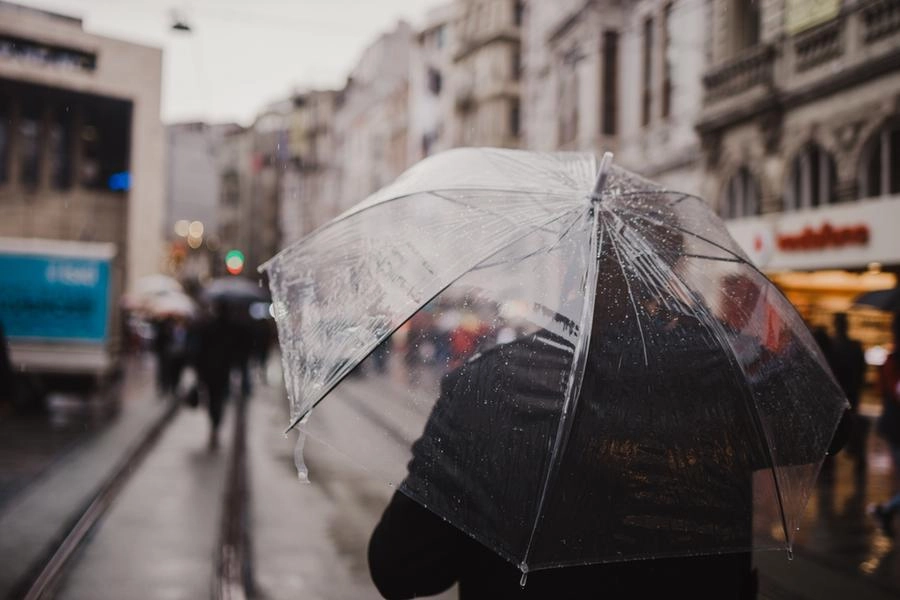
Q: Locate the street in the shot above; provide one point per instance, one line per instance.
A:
(162, 534)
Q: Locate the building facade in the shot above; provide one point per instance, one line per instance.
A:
(372, 115)
(802, 143)
(311, 179)
(486, 73)
(625, 77)
(431, 102)
(81, 141)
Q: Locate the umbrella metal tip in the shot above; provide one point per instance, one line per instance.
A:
(602, 173)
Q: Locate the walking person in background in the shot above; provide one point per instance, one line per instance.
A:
(848, 363)
(161, 338)
(889, 425)
(213, 359)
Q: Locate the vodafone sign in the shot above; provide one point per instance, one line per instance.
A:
(845, 236)
(823, 237)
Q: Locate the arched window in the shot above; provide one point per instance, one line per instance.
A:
(811, 180)
(741, 196)
(879, 173)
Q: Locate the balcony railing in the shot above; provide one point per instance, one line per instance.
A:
(752, 68)
(880, 19)
(818, 46)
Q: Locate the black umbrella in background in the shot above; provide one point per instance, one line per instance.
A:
(888, 300)
(235, 290)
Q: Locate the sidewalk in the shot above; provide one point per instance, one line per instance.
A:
(33, 521)
(309, 539)
(159, 538)
(840, 551)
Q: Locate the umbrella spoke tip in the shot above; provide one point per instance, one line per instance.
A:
(602, 174)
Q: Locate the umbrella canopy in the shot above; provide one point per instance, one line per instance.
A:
(632, 387)
(173, 304)
(888, 300)
(234, 289)
(147, 289)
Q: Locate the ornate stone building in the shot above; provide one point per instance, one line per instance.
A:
(801, 104)
(486, 73)
(608, 75)
(801, 137)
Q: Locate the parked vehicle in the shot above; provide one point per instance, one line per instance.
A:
(58, 311)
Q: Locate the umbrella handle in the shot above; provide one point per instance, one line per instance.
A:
(602, 173)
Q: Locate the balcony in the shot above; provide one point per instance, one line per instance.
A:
(859, 44)
(818, 46)
(754, 67)
(880, 19)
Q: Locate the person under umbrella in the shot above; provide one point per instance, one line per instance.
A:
(213, 347)
(701, 491)
(626, 420)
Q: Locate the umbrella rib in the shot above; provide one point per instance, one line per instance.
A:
(738, 258)
(717, 258)
(546, 250)
(637, 316)
(573, 387)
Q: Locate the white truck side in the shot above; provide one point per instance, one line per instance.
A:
(58, 307)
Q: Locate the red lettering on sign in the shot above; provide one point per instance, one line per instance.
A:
(826, 236)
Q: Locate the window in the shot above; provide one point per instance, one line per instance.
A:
(880, 168)
(29, 144)
(647, 88)
(741, 196)
(435, 81)
(518, 13)
(610, 80)
(105, 141)
(745, 20)
(4, 140)
(567, 100)
(667, 65)
(514, 119)
(812, 180)
(60, 150)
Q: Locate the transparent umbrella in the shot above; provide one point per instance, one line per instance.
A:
(624, 383)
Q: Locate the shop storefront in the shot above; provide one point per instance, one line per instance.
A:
(824, 258)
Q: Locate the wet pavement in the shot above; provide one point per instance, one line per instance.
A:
(159, 538)
(838, 535)
(308, 540)
(60, 483)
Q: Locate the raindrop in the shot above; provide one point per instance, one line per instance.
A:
(523, 579)
(790, 554)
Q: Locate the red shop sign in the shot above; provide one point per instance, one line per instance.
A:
(826, 236)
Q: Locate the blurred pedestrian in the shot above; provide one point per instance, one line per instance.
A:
(213, 358)
(889, 425)
(243, 342)
(848, 363)
(161, 339)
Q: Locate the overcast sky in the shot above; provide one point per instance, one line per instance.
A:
(242, 54)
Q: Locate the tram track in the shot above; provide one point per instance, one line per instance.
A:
(45, 575)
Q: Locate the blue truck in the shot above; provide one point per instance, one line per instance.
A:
(58, 312)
